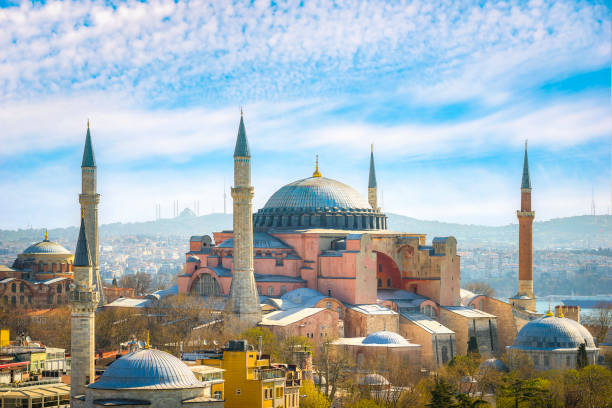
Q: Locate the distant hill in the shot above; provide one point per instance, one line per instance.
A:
(572, 232)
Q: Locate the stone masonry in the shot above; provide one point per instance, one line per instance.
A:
(243, 301)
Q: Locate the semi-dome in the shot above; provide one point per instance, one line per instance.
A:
(386, 338)
(319, 202)
(46, 247)
(147, 369)
(551, 332)
(373, 379)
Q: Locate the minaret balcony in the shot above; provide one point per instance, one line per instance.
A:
(525, 214)
(83, 296)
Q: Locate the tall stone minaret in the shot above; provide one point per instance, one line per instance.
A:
(525, 298)
(243, 301)
(372, 191)
(89, 199)
(83, 304)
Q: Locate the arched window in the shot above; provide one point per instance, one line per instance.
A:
(59, 288)
(13, 288)
(389, 282)
(328, 305)
(270, 291)
(206, 285)
(379, 267)
(21, 287)
(259, 290)
(379, 283)
(339, 310)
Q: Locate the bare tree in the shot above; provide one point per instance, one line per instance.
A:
(601, 321)
(140, 281)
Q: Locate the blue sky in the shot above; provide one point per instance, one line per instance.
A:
(446, 91)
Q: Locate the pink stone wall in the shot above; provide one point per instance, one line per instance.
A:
(318, 327)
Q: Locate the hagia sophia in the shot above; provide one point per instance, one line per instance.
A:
(319, 261)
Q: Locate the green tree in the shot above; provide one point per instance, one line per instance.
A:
(442, 395)
(312, 397)
(582, 360)
(595, 385)
(533, 391)
(269, 341)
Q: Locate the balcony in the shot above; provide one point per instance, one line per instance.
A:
(83, 297)
(268, 374)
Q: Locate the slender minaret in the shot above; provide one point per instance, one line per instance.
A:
(243, 301)
(83, 304)
(372, 191)
(525, 298)
(89, 199)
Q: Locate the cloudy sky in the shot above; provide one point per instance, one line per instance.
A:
(446, 91)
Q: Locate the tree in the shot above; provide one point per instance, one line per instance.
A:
(269, 341)
(600, 322)
(533, 391)
(595, 385)
(582, 360)
(480, 288)
(442, 395)
(312, 397)
(461, 372)
(333, 364)
(140, 282)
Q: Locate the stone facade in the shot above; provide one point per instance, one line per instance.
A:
(243, 300)
(89, 200)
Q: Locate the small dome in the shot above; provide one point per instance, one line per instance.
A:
(551, 332)
(373, 379)
(494, 363)
(147, 369)
(385, 337)
(46, 247)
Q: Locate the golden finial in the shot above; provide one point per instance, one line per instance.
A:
(82, 213)
(148, 345)
(372, 148)
(46, 235)
(316, 172)
(561, 311)
(549, 313)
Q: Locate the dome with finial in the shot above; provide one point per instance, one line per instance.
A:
(550, 332)
(46, 247)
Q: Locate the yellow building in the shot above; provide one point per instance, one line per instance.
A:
(252, 381)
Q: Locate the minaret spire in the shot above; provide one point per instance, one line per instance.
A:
(89, 199)
(525, 298)
(372, 188)
(83, 303)
(316, 173)
(243, 301)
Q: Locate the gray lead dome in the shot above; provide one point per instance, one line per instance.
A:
(147, 369)
(318, 202)
(551, 332)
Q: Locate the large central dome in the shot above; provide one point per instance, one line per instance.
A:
(318, 202)
(318, 193)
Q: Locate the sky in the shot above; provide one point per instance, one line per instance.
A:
(447, 92)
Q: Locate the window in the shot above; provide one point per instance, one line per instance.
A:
(329, 292)
(270, 291)
(379, 283)
(379, 267)
(444, 355)
(279, 392)
(237, 391)
(21, 300)
(59, 288)
(13, 288)
(67, 287)
(29, 299)
(339, 310)
(21, 287)
(13, 300)
(267, 393)
(283, 290)
(328, 305)
(389, 282)
(259, 290)
(218, 395)
(481, 304)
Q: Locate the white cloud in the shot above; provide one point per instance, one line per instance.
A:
(437, 52)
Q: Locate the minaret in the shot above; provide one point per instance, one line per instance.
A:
(525, 298)
(83, 304)
(372, 191)
(243, 301)
(89, 199)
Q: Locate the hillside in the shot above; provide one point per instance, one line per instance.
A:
(572, 232)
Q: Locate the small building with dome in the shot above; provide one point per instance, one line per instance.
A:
(151, 378)
(552, 343)
(40, 277)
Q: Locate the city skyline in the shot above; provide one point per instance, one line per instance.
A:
(447, 96)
